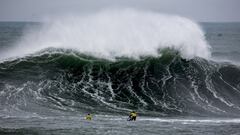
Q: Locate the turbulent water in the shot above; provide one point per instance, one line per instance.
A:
(52, 75)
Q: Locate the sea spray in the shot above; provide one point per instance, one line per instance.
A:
(116, 33)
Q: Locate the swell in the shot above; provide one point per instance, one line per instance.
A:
(72, 82)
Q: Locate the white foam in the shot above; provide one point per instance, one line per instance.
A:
(116, 33)
(170, 120)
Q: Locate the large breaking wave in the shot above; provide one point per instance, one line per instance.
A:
(114, 62)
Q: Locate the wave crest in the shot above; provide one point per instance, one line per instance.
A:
(118, 33)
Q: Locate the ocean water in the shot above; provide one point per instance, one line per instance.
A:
(181, 77)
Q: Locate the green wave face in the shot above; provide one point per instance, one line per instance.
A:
(168, 85)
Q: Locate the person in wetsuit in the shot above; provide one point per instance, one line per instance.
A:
(132, 116)
(88, 117)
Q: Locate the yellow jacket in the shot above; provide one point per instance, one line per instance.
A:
(88, 117)
(134, 114)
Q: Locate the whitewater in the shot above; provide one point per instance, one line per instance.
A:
(182, 77)
(114, 33)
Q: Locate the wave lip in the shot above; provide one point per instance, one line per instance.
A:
(117, 33)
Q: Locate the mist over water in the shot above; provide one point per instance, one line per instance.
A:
(116, 33)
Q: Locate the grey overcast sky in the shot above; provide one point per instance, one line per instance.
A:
(199, 10)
